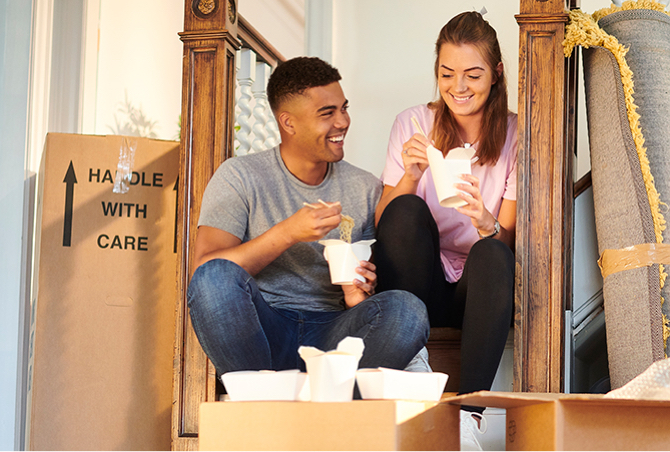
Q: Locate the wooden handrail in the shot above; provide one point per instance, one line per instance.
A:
(252, 39)
(583, 184)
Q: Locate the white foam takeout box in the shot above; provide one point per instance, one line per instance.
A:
(330, 378)
(445, 172)
(392, 384)
(283, 385)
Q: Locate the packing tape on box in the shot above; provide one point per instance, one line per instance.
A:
(631, 257)
(124, 169)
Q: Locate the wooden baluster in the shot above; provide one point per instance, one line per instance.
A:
(208, 83)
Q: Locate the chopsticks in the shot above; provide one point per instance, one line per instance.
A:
(306, 204)
(418, 126)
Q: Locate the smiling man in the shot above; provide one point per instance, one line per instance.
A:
(262, 287)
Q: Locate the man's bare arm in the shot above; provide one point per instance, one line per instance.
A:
(306, 225)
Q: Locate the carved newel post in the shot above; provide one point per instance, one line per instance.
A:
(544, 198)
(208, 87)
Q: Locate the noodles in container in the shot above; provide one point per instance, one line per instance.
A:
(343, 256)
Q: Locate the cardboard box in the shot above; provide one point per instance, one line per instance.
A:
(356, 425)
(102, 323)
(537, 421)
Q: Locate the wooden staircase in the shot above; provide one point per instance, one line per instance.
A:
(213, 31)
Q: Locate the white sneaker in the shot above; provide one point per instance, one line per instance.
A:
(420, 362)
(470, 428)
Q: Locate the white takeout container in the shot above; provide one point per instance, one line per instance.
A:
(383, 383)
(343, 258)
(259, 385)
(332, 374)
(445, 172)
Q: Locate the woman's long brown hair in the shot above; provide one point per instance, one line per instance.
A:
(471, 28)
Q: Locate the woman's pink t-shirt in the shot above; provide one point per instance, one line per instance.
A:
(497, 182)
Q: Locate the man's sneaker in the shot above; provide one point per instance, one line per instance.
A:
(420, 362)
(472, 424)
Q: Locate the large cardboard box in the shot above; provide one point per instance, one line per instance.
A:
(537, 421)
(357, 425)
(102, 323)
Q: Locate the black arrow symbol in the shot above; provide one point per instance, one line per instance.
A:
(176, 213)
(70, 180)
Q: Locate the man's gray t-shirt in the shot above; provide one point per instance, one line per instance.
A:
(249, 194)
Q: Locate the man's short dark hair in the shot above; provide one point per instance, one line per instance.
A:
(296, 75)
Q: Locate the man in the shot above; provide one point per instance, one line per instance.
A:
(261, 287)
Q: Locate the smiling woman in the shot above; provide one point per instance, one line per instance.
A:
(457, 260)
(465, 82)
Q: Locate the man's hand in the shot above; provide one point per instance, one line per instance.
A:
(360, 291)
(306, 225)
(313, 222)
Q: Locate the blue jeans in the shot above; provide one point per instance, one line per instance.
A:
(238, 330)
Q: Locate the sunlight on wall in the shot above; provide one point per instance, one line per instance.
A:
(139, 68)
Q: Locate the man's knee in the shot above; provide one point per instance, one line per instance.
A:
(213, 279)
(406, 309)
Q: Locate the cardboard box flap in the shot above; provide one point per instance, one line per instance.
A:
(499, 399)
(496, 399)
(602, 400)
(556, 421)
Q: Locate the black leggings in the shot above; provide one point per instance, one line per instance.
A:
(407, 256)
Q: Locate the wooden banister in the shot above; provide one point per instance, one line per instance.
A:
(544, 196)
(208, 86)
(252, 39)
(213, 32)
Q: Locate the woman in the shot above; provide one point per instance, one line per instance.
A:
(457, 260)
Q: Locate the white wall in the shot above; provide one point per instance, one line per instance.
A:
(281, 22)
(587, 280)
(15, 26)
(384, 50)
(140, 55)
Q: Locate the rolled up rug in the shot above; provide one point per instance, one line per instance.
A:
(627, 85)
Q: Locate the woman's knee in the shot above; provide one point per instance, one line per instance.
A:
(407, 225)
(404, 208)
(492, 253)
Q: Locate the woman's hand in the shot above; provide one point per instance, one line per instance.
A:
(415, 161)
(481, 218)
(360, 291)
(414, 156)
